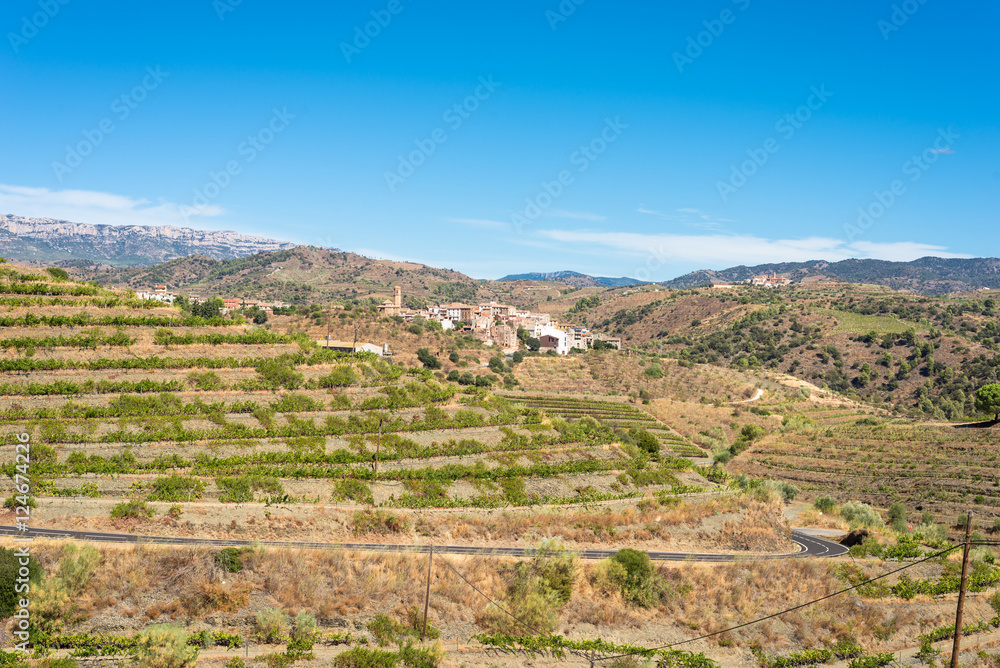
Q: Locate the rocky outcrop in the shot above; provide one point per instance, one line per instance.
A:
(48, 240)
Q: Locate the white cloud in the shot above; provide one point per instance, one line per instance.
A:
(689, 217)
(97, 208)
(719, 251)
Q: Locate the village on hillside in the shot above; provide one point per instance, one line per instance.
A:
(493, 324)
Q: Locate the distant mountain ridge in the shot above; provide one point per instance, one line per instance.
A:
(50, 241)
(574, 278)
(927, 275)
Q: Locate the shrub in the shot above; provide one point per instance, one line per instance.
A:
(825, 504)
(13, 501)
(304, 627)
(646, 441)
(631, 573)
(352, 489)
(9, 567)
(176, 488)
(381, 522)
(654, 371)
(427, 359)
(228, 559)
(536, 591)
(165, 647)
(134, 509)
(786, 490)
(272, 625)
(861, 514)
(208, 380)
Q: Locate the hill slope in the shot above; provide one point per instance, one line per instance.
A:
(300, 275)
(50, 241)
(928, 275)
(574, 278)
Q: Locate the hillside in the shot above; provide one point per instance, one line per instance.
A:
(310, 275)
(928, 275)
(915, 354)
(44, 240)
(300, 275)
(145, 420)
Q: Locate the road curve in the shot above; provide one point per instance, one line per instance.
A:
(810, 546)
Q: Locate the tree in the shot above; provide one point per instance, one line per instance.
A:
(496, 364)
(453, 357)
(517, 357)
(988, 400)
(427, 359)
(533, 343)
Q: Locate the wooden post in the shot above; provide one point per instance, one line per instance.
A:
(961, 593)
(378, 446)
(427, 594)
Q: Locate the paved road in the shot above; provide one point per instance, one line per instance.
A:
(810, 546)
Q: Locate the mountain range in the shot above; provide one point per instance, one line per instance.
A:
(574, 279)
(44, 240)
(138, 255)
(927, 275)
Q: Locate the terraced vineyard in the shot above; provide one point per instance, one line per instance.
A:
(945, 470)
(616, 414)
(179, 416)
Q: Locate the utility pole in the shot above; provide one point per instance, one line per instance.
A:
(427, 594)
(378, 446)
(961, 593)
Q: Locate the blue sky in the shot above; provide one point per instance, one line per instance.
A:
(628, 138)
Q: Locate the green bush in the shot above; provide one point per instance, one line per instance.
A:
(304, 627)
(536, 591)
(632, 573)
(165, 647)
(428, 359)
(786, 490)
(176, 488)
(646, 441)
(272, 625)
(228, 558)
(134, 509)
(825, 504)
(352, 489)
(861, 514)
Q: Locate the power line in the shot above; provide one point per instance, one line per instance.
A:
(806, 604)
(505, 611)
